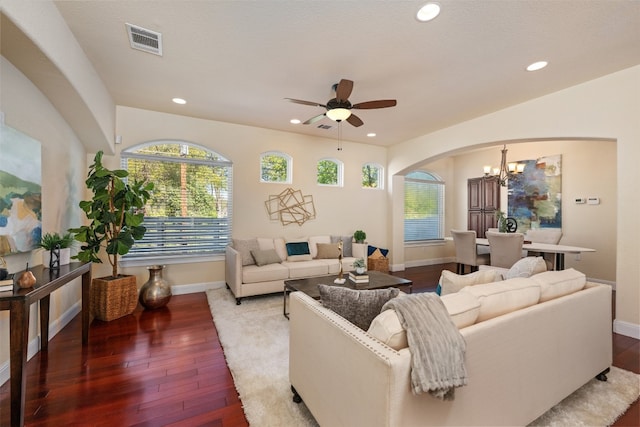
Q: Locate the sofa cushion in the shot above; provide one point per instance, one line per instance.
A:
(386, 328)
(314, 241)
(463, 308)
(266, 273)
(264, 257)
(298, 250)
(359, 307)
(554, 284)
(327, 251)
(346, 244)
(499, 298)
(244, 247)
(300, 269)
(526, 267)
(451, 282)
(280, 245)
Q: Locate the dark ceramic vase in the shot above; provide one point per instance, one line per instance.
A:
(156, 292)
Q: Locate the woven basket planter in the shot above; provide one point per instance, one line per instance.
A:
(380, 264)
(113, 298)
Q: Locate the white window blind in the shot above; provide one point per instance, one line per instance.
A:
(423, 207)
(190, 211)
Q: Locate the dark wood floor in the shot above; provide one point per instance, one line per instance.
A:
(167, 368)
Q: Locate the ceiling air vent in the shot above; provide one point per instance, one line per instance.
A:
(324, 127)
(145, 40)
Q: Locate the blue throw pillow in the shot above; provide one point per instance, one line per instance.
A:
(298, 248)
(372, 249)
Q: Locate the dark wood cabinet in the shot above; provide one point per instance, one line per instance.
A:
(483, 202)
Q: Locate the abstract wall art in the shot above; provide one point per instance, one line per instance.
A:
(535, 195)
(20, 192)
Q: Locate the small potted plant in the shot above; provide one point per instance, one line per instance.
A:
(359, 265)
(359, 236)
(50, 241)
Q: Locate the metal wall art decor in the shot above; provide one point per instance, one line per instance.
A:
(291, 207)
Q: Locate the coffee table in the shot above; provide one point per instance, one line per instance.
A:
(377, 280)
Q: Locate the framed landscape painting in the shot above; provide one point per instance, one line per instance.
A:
(20, 192)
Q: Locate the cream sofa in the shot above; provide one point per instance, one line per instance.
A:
(519, 364)
(245, 278)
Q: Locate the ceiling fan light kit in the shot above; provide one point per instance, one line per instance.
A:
(338, 114)
(339, 108)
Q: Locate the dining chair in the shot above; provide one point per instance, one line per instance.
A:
(466, 250)
(506, 248)
(550, 236)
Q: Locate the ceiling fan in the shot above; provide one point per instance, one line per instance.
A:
(339, 108)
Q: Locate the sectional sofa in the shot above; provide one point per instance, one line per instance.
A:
(530, 342)
(258, 266)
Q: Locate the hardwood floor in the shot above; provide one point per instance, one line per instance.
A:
(166, 368)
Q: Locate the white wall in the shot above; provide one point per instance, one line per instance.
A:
(581, 177)
(339, 210)
(605, 109)
(63, 169)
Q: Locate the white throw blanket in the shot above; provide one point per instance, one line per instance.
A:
(437, 347)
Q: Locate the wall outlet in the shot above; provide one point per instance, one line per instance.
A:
(580, 200)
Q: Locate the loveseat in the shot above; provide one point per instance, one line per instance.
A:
(260, 266)
(530, 342)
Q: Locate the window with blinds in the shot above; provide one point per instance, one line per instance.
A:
(423, 207)
(190, 211)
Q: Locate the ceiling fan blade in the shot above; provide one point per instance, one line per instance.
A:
(380, 103)
(344, 90)
(313, 104)
(355, 120)
(314, 119)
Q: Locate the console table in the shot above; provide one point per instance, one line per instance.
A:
(19, 302)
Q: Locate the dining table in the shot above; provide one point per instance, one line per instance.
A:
(558, 251)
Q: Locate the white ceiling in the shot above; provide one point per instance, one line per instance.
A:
(236, 61)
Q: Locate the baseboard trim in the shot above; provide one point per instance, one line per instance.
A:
(194, 288)
(34, 345)
(431, 261)
(627, 329)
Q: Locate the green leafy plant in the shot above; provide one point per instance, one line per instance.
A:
(50, 240)
(359, 236)
(359, 263)
(502, 221)
(116, 213)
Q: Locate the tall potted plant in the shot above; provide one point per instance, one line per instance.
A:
(116, 213)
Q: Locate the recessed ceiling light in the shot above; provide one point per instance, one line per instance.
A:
(428, 12)
(371, 134)
(294, 121)
(179, 101)
(537, 66)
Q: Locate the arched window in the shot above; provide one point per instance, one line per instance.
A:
(190, 211)
(276, 167)
(423, 207)
(372, 176)
(330, 172)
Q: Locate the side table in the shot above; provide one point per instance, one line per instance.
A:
(19, 302)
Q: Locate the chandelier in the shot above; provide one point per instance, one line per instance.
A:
(506, 171)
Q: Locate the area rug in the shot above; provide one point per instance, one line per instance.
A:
(255, 340)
